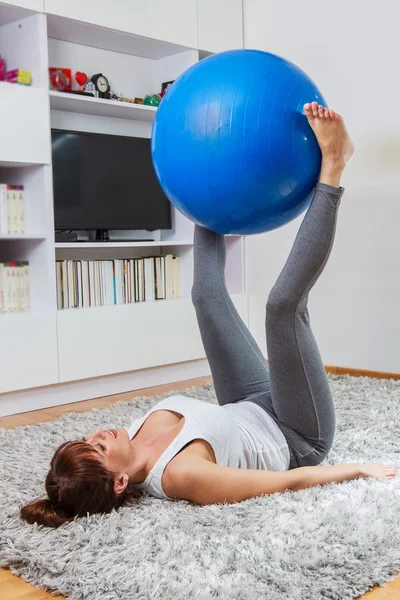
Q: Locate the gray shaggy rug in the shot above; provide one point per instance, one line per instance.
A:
(333, 541)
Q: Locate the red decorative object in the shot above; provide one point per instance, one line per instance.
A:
(81, 78)
(165, 86)
(60, 79)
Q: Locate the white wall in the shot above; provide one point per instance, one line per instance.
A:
(351, 50)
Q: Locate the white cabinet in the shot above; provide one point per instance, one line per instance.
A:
(220, 25)
(24, 124)
(173, 21)
(114, 339)
(36, 5)
(28, 351)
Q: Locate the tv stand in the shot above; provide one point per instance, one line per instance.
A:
(102, 235)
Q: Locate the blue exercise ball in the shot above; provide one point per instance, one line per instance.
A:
(231, 146)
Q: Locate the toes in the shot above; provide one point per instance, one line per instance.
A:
(314, 106)
(326, 113)
(308, 111)
(332, 114)
(320, 111)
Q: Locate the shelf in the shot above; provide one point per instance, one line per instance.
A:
(108, 306)
(119, 244)
(6, 164)
(100, 107)
(68, 30)
(21, 236)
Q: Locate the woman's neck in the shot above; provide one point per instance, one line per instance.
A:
(141, 461)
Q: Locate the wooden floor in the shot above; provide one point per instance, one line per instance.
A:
(14, 588)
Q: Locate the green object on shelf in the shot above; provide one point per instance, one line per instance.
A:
(153, 100)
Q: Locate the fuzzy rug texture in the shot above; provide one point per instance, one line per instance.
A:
(334, 541)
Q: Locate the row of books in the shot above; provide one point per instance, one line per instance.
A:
(14, 286)
(84, 283)
(12, 208)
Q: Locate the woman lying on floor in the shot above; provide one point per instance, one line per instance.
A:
(273, 425)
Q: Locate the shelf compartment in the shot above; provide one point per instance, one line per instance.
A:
(114, 339)
(103, 108)
(23, 44)
(36, 180)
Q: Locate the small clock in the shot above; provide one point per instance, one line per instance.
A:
(102, 85)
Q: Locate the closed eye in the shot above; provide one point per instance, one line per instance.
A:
(101, 445)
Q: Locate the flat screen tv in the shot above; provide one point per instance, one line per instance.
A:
(103, 182)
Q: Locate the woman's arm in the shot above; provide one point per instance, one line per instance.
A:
(208, 483)
(304, 477)
(309, 476)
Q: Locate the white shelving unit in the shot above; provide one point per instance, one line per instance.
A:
(45, 346)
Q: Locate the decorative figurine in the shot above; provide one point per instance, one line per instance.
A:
(81, 79)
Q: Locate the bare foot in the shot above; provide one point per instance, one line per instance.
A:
(333, 139)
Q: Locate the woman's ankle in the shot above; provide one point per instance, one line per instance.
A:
(331, 173)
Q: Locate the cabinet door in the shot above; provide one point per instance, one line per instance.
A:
(37, 5)
(24, 124)
(114, 339)
(173, 21)
(220, 25)
(28, 351)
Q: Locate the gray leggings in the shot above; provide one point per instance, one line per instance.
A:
(294, 388)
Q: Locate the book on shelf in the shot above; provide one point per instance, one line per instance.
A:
(12, 208)
(84, 283)
(14, 286)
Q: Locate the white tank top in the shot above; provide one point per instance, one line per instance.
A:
(242, 435)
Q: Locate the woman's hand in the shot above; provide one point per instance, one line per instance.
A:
(379, 471)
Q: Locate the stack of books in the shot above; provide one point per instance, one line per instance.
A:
(83, 283)
(14, 286)
(12, 208)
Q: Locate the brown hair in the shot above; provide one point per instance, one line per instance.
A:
(77, 484)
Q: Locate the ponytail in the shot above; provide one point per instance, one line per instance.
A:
(44, 512)
(77, 484)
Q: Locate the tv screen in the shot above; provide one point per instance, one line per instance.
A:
(106, 182)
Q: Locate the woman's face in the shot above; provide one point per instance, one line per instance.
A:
(113, 446)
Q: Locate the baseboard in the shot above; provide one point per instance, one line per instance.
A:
(361, 373)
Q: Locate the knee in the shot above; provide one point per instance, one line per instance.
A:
(279, 303)
(198, 294)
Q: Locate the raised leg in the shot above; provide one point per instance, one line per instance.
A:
(300, 391)
(237, 365)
